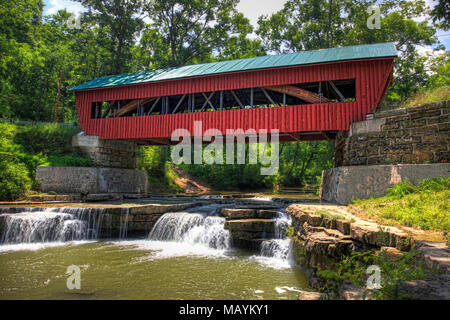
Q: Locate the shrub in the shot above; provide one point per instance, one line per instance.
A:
(46, 138)
(14, 180)
(71, 160)
(394, 270)
(23, 148)
(401, 189)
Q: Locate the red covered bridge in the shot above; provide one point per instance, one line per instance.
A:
(306, 95)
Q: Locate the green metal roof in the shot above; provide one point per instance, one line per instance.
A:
(369, 51)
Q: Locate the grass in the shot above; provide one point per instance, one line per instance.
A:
(429, 96)
(329, 215)
(425, 205)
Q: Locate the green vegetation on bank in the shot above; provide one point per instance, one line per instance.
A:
(437, 87)
(300, 163)
(24, 147)
(154, 160)
(393, 270)
(425, 205)
(429, 96)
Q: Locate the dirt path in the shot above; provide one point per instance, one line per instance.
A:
(189, 184)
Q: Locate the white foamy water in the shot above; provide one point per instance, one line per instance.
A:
(199, 233)
(52, 225)
(192, 229)
(38, 245)
(277, 253)
(266, 199)
(185, 233)
(172, 249)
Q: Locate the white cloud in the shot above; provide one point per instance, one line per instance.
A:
(52, 6)
(252, 9)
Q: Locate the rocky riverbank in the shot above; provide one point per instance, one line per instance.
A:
(323, 235)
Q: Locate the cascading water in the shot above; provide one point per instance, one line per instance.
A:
(193, 229)
(279, 248)
(33, 225)
(123, 232)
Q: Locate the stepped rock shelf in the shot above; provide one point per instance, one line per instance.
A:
(250, 226)
(138, 219)
(325, 233)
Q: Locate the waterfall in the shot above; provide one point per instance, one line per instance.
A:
(282, 223)
(33, 225)
(123, 232)
(191, 228)
(278, 250)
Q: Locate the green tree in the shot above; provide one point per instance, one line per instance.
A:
(441, 14)
(317, 24)
(304, 25)
(194, 31)
(303, 162)
(121, 21)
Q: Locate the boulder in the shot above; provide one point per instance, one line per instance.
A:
(434, 287)
(306, 295)
(349, 292)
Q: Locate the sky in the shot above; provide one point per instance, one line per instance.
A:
(252, 9)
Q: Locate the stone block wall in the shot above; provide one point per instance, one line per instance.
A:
(91, 180)
(344, 184)
(107, 153)
(419, 134)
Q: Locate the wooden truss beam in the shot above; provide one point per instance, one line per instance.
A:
(299, 93)
(160, 141)
(132, 105)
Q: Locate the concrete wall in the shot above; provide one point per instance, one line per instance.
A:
(345, 184)
(106, 153)
(91, 180)
(419, 134)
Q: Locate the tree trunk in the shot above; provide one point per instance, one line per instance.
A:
(55, 118)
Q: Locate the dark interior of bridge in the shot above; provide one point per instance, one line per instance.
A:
(272, 96)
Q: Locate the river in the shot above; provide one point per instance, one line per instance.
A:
(187, 255)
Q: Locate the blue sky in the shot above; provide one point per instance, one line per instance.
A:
(252, 9)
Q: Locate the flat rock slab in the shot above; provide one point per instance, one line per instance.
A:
(436, 255)
(251, 225)
(349, 292)
(366, 232)
(248, 214)
(306, 295)
(434, 287)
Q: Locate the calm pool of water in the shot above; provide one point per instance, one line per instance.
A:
(143, 269)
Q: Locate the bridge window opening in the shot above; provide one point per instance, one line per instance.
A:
(262, 97)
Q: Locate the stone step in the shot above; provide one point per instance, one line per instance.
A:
(363, 231)
(231, 214)
(251, 229)
(251, 225)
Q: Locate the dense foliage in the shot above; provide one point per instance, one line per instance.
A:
(24, 147)
(394, 270)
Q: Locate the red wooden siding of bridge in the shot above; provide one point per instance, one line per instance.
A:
(372, 78)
